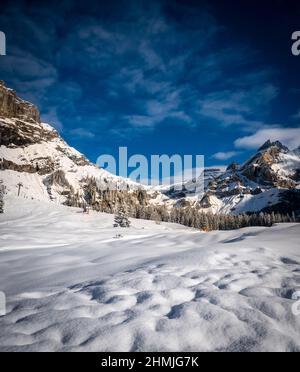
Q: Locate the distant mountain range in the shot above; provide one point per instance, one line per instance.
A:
(37, 163)
(271, 178)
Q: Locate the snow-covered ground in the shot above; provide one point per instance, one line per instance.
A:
(72, 286)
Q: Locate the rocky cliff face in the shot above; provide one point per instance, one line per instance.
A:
(20, 133)
(11, 106)
(20, 124)
(269, 166)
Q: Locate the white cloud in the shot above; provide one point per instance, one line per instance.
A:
(162, 83)
(288, 136)
(51, 118)
(296, 116)
(82, 133)
(238, 107)
(225, 155)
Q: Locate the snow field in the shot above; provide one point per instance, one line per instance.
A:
(71, 286)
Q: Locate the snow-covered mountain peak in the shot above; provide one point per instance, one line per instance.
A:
(273, 165)
(277, 144)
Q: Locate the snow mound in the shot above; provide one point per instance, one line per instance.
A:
(72, 287)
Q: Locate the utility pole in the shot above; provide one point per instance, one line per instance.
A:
(19, 185)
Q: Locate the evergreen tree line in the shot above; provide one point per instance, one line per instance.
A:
(192, 217)
(209, 221)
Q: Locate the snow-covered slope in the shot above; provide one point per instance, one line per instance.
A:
(72, 286)
(36, 165)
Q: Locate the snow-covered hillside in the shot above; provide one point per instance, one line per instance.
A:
(36, 163)
(50, 169)
(71, 285)
(35, 167)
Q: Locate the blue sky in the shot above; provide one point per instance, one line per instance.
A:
(161, 77)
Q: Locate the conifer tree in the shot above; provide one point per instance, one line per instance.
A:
(121, 217)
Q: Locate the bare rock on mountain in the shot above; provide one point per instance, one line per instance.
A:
(19, 133)
(266, 167)
(11, 106)
(205, 202)
(233, 167)
(20, 124)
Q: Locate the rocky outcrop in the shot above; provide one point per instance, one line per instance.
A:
(20, 124)
(205, 202)
(12, 106)
(260, 168)
(58, 178)
(19, 133)
(10, 165)
(79, 160)
(233, 167)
